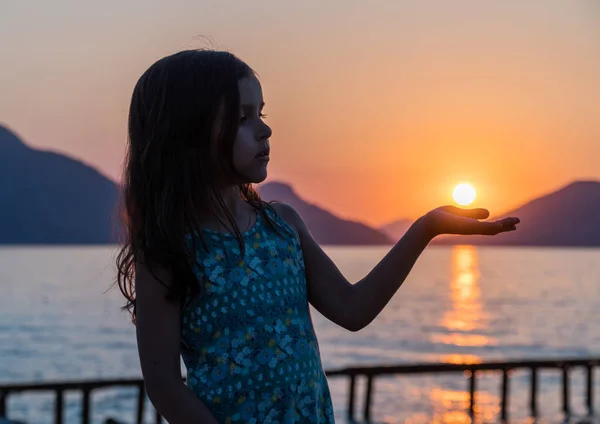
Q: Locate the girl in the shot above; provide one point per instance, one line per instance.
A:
(213, 273)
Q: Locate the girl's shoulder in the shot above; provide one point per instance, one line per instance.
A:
(289, 216)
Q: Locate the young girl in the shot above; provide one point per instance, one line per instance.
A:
(213, 273)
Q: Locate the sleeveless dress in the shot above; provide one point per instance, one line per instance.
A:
(248, 341)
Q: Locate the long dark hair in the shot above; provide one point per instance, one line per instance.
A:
(183, 120)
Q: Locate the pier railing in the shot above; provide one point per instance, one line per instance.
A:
(471, 372)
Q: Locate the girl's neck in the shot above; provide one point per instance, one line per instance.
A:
(233, 199)
(242, 213)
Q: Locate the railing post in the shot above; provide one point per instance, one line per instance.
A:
(533, 400)
(58, 407)
(565, 392)
(590, 389)
(504, 405)
(472, 393)
(3, 396)
(86, 410)
(140, 404)
(351, 397)
(369, 396)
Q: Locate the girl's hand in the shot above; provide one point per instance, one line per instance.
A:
(453, 220)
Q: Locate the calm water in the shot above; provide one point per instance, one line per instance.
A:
(58, 322)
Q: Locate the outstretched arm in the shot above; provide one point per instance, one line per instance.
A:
(354, 306)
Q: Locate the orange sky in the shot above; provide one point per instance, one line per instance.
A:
(378, 110)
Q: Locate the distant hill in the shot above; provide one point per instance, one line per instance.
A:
(395, 230)
(49, 198)
(326, 228)
(567, 217)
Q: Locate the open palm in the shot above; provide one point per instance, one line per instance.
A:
(453, 220)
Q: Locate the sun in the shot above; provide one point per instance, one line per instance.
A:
(464, 194)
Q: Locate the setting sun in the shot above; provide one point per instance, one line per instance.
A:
(464, 194)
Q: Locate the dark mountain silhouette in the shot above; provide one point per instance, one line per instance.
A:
(49, 198)
(395, 230)
(326, 228)
(567, 217)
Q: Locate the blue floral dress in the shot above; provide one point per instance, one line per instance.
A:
(248, 342)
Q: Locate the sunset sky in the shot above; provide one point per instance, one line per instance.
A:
(378, 109)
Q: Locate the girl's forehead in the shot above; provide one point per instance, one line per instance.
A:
(250, 91)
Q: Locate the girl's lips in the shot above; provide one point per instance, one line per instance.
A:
(264, 153)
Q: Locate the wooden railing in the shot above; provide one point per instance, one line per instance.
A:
(85, 387)
(471, 371)
(370, 373)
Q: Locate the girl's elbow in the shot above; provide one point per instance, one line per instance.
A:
(354, 325)
(356, 321)
(357, 327)
(354, 328)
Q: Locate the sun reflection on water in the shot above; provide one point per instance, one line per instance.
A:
(463, 325)
(466, 320)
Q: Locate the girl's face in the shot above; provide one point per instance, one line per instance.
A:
(251, 148)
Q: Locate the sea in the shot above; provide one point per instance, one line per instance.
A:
(60, 320)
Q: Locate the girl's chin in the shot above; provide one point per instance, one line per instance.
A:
(260, 179)
(255, 178)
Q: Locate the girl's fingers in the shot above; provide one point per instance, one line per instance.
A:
(508, 224)
(496, 227)
(493, 228)
(511, 221)
(467, 221)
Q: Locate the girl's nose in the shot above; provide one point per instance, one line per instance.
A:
(265, 131)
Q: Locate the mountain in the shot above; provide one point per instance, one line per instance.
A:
(49, 198)
(395, 230)
(326, 228)
(567, 217)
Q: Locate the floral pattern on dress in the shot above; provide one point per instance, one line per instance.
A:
(248, 342)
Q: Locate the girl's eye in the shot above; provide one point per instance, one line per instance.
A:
(263, 115)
